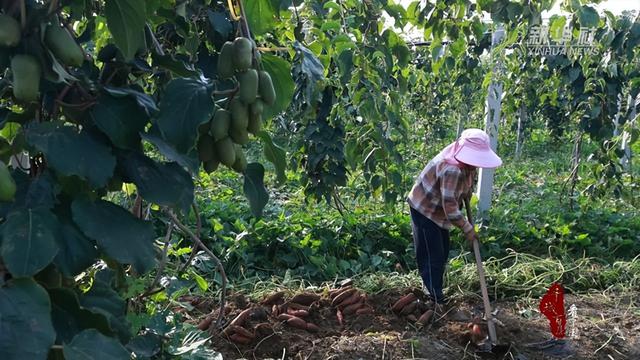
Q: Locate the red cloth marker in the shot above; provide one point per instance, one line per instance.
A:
(552, 306)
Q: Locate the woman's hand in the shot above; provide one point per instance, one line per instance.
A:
(470, 236)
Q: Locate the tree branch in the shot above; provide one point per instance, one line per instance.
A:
(23, 14)
(223, 275)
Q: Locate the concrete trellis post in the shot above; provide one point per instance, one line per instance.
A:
(494, 99)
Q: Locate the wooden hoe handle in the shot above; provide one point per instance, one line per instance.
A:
(483, 284)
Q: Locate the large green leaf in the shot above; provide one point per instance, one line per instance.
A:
(280, 71)
(26, 331)
(220, 23)
(121, 119)
(91, 344)
(165, 184)
(176, 66)
(588, 16)
(260, 15)
(254, 188)
(186, 104)
(275, 154)
(29, 241)
(77, 252)
(126, 19)
(69, 318)
(187, 161)
(72, 153)
(146, 102)
(104, 300)
(120, 235)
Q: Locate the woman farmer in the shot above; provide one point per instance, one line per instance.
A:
(436, 200)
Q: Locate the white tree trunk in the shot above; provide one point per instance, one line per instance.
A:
(522, 119)
(494, 98)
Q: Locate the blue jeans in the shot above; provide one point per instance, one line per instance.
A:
(431, 244)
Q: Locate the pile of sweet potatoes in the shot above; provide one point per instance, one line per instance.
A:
(410, 307)
(349, 301)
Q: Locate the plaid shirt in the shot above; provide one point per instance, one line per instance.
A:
(438, 194)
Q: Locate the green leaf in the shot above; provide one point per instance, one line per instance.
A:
(458, 47)
(102, 299)
(332, 25)
(260, 15)
(25, 323)
(120, 235)
(202, 283)
(145, 101)
(254, 188)
(72, 153)
(121, 119)
(220, 23)
(280, 71)
(186, 104)
(77, 252)
(174, 65)
(275, 154)
(29, 241)
(190, 162)
(557, 27)
(126, 19)
(145, 346)
(165, 184)
(69, 318)
(588, 16)
(91, 344)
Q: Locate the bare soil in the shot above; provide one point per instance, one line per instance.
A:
(603, 328)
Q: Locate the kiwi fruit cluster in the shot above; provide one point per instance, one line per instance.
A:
(222, 138)
(26, 68)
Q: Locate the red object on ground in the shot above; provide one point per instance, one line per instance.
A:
(552, 306)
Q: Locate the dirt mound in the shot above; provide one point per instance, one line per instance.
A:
(598, 331)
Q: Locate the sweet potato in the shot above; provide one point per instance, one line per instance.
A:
(408, 309)
(284, 317)
(239, 339)
(350, 309)
(273, 298)
(338, 300)
(341, 293)
(296, 322)
(241, 318)
(263, 329)
(305, 298)
(297, 306)
(403, 301)
(425, 318)
(364, 310)
(412, 318)
(205, 323)
(312, 327)
(242, 331)
(340, 317)
(298, 313)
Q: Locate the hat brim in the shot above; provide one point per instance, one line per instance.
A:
(479, 158)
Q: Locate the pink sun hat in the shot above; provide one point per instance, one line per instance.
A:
(474, 148)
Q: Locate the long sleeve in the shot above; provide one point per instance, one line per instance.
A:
(451, 188)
